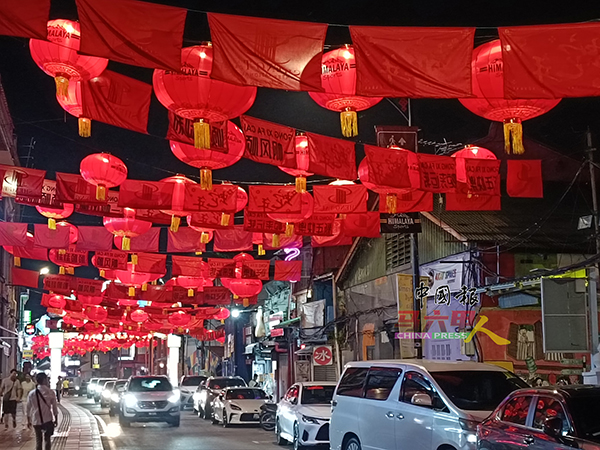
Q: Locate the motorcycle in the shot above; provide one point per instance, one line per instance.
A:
(267, 416)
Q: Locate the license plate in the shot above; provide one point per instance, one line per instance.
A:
(255, 416)
(151, 414)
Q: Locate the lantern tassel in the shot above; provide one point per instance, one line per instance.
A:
(300, 184)
(62, 86)
(205, 179)
(131, 291)
(289, 229)
(126, 243)
(134, 259)
(246, 302)
(190, 292)
(349, 121)
(225, 220)
(235, 296)
(61, 270)
(513, 137)
(391, 203)
(204, 237)
(275, 241)
(202, 135)
(261, 250)
(101, 193)
(85, 127)
(175, 221)
(103, 273)
(17, 261)
(71, 270)
(198, 253)
(145, 287)
(52, 224)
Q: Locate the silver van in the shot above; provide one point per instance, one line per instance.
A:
(416, 404)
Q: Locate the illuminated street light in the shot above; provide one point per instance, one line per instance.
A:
(235, 313)
(44, 271)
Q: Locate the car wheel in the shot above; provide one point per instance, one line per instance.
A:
(125, 423)
(278, 438)
(225, 423)
(111, 412)
(353, 444)
(214, 418)
(297, 445)
(206, 414)
(200, 412)
(175, 423)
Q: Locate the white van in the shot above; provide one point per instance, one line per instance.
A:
(415, 404)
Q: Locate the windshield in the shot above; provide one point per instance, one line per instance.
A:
(585, 412)
(192, 381)
(221, 383)
(157, 384)
(477, 390)
(120, 385)
(317, 395)
(109, 385)
(246, 394)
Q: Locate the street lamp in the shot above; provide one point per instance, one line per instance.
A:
(44, 271)
(235, 313)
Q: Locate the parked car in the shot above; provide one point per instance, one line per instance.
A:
(431, 404)
(188, 385)
(303, 414)
(99, 388)
(238, 405)
(546, 418)
(115, 397)
(149, 398)
(91, 387)
(106, 394)
(207, 392)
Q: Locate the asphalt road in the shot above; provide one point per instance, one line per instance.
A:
(194, 433)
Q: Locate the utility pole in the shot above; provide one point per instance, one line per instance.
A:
(593, 293)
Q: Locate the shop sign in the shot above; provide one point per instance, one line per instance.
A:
(323, 355)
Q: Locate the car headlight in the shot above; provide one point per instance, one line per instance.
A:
(106, 394)
(175, 397)
(310, 419)
(115, 398)
(130, 400)
(235, 407)
(468, 425)
(76, 388)
(472, 438)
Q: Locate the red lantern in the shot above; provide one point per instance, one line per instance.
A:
(52, 214)
(209, 160)
(59, 57)
(222, 314)
(469, 152)
(290, 218)
(126, 227)
(152, 325)
(104, 171)
(134, 279)
(73, 231)
(302, 163)
(195, 96)
(487, 75)
(73, 104)
(139, 316)
(88, 300)
(179, 319)
(245, 288)
(57, 301)
(190, 283)
(338, 79)
(92, 327)
(177, 200)
(96, 313)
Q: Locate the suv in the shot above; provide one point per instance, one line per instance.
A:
(210, 389)
(188, 385)
(90, 387)
(149, 398)
(431, 404)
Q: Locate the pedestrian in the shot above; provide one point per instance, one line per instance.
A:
(10, 390)
(42, 411)
(26, 387)
(254, 381)
(65, 387)
(58, 388)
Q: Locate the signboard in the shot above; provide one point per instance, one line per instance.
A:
(401, 223)
(27, 354)
(26, 317)
(323, 355)
(30, 329)
(277, 332)
(398, 136)
(95, 361)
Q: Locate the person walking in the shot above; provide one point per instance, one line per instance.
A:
(254, 381)
(65, 387)
(10, 390)
(26, 387)
(58, 388)
(42, 411)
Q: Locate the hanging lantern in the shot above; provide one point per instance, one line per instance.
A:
(54, 214)
(209, 160)
(104, 171)
(469, 152)
(59, 57)
(302, 163)
(96, 313)
(177, 200)
(245, 288)
(73, 104)
(93, 327)
(257, 238)
(57, 301)
(487, 79)
(290, 218)
(73, 231)
(139, 316)
(338, 79)
(179, 319)
(135, 279)
(88, 300)
(206, 233)
(240, 204)
(190, 283)
(126, 227)
(193, 95)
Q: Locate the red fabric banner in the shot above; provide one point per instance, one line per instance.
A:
(59, 284)
(94, 239)
(277, 54)
(22, 182)
(47, 238)
(209, 219)
(146, 194)
(14, 234)
(25, 278)
(29, 251)
(221, 268)
(413, 62)
(85, 286)
(215, 296)
(256, 269)
(72, 188)
(117, 100)
(48, 197)
(132, 32)
(222, 197)
(147, 242)
(25, 18)
(112, 260)
(362, 225)
(275, 199)
(269, 143)
(341, 199)
(69, 258)
(330, 241)
(438, 173)
(294, 241)
(410, 201)
(261, 223)
(109, 209)
(151, 263)
(462, 202)
(188, 266)
(186, 240)
(551, 61)
(316, 225)
(524, 178)
(483, 177)
(233, 240)
(288, 270)
(331, 157)
(388, 167)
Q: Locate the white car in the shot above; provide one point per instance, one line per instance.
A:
(149, 398)
(238, 405)
(187, 387)
(303, 414)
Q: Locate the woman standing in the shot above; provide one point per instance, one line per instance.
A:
(26, 387)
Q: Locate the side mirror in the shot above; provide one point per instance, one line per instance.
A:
(553, 427)
(421, 400)
(294, 400)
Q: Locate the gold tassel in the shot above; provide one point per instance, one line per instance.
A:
(145, 287)
(349, 123)
(246, 303)
(391, 203)
(126, 243)
(62, 251)
(198, 253)
(206, 179)
(300, 184)
(175, 221)
(204, 237)
(261, 250)
(275, 241)
(101, 193)
(85, 127)
(71, 270)
(289, 229)
(61, 270)
(341, 216)
(62, 86)
(52, 224)
(513, 137)
(17, 261)
(134, 259)
(225, 219)
(131, 291)
(235, 296)
(202, 135)
(222, 322)
(190, 292)
(154, 282)
(103, 273)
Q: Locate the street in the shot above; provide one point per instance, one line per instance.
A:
(194, 432)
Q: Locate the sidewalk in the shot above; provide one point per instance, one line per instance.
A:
(77, 430)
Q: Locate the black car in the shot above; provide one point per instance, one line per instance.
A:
(211, 388)
(552, 418)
